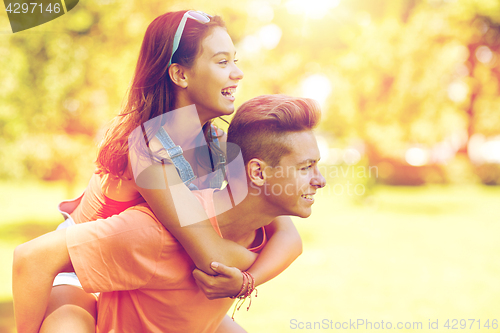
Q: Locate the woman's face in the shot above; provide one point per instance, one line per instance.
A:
(214, 76)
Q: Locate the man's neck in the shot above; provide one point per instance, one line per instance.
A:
(239, 223)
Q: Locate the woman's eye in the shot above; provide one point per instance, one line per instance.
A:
(306, 168)
(235, 61)
(223, 62)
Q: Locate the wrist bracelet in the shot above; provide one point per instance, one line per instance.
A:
(241, 292)
(242, 295)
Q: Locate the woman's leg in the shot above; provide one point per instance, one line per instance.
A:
(70, 309)
(229, 326)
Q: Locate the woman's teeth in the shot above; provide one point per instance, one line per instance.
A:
(228, 92)
(307, 196)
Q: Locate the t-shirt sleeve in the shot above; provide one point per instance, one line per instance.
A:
(118, 253)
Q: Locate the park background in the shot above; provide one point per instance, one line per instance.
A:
(407, 229)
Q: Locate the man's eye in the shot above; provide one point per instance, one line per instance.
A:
(223, 62)
(236, 60)
(306, 168)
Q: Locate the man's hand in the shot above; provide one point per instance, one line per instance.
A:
(227, 282)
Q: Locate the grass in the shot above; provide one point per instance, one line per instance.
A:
(28, 210)
(409, 255)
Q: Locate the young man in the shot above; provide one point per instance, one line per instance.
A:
(143, 274)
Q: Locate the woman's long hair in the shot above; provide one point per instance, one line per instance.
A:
(152, 91)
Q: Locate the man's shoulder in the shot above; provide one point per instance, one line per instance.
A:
(142, 215)
(205, 195)
(140, 210)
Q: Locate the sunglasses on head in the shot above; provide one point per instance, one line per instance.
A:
(194, 15)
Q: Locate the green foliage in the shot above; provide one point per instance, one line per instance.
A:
(390, 64)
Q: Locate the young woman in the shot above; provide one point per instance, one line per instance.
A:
(187, 62)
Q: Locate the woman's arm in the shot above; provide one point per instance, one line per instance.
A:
(182, 214)
(36, 263)
(283, 247)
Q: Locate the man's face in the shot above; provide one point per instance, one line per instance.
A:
(291, 185)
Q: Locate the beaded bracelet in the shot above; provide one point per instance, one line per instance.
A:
(249, 280)
(251, 287)
(240, 293)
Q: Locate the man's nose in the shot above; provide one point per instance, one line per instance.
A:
(318, 179)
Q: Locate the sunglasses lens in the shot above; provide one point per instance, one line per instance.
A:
(202, 18)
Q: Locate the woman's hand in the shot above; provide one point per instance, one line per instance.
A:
(227, 282)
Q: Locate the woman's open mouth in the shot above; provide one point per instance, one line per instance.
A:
(228, 92)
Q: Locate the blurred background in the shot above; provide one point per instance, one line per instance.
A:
(407, 228)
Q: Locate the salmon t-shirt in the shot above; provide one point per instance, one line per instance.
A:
(143, 273)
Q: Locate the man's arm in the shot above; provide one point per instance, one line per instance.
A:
(36, 263)
(283, 247)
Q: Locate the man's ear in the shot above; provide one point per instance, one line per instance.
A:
(178, 75)
(255, 171)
